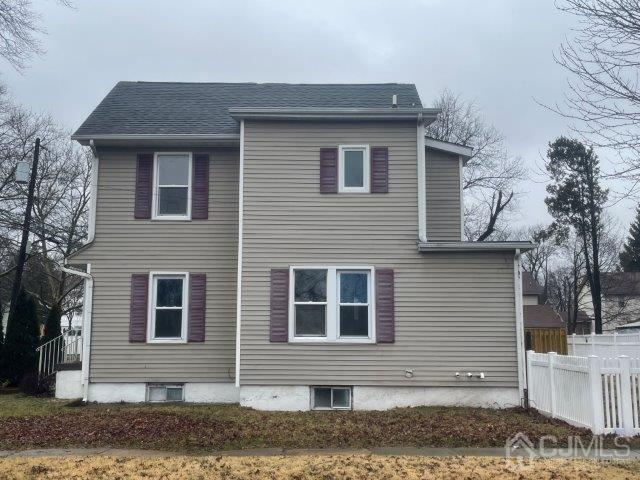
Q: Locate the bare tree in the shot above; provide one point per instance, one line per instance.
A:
(20, 26)
(60, 208)
(491, 175)
(604, 91)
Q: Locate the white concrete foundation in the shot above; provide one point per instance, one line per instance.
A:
(117, 392)
(211, 393)
(69, 384)
(137, 392)
(280, 398)
(385, 398)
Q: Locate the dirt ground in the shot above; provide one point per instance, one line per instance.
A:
(313, 467)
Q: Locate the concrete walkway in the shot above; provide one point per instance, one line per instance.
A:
(427, 452)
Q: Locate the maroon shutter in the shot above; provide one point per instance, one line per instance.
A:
(139, 307)
(200, 193)
(197, 307)
(328, 170)
(144, 185)
(279, 305)
(379, 169)
(385, 306)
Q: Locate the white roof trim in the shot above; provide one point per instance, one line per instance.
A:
(335, 113)
(474, 246)
(195, 138)
(465, 152)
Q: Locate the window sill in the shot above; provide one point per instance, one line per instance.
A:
(319, 341)
(162, 219)
(174, 341)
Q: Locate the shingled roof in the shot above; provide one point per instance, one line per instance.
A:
(541, 316)
(167, 108)
(620, 283)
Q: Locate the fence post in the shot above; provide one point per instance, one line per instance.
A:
(593, 343)
(615, 344)
(573, 344)
(552, 383)
(595, 387)
(625, 394)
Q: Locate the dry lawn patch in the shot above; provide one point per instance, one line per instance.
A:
(313, 467)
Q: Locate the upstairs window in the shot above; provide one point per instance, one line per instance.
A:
(172, 192)
(168, 307)
(331, 304)
(353, 169)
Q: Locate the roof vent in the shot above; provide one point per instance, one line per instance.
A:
(394, 101)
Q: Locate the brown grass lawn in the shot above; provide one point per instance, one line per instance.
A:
(313, 467)
(45, 423)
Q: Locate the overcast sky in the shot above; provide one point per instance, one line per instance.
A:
(496, 52)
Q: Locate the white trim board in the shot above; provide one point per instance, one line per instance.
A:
(239, 269)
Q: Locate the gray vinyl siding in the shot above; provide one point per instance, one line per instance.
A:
(454, 312)
(124, 246)
(443, 196)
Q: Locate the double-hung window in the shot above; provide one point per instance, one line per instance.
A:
(353, 171)
(172, 186)
(331, 304)
(168, 315)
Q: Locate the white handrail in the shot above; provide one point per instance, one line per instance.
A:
(65, 348)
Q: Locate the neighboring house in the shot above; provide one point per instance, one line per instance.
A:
(531, 289)
(289, 247)
(544, 329)
(620, 299)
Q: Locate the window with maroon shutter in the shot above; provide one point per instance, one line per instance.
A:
(279, 305)
(200, 194)
(144, 186)
(139, 307)
(385, 305)
(379, 170)
(328, 170)
(197, 307)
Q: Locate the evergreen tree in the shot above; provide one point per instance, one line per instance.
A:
(52, 324)
(630, 255)
(21, 340)
(575, 199)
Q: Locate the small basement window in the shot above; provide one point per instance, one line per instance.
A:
(331, 398)
(165, 393)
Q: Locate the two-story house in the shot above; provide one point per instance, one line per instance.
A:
(289, 247)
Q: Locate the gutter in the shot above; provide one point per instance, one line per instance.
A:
(195, 138)
(334, 113)
(87, 310)
(428, 247)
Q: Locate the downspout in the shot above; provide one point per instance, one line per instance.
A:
(87, 308)
(517, 279)
(239, 279)
(422, 182)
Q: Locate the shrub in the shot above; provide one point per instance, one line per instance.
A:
(21, 340)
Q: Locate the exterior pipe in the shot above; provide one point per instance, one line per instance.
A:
(86, 325)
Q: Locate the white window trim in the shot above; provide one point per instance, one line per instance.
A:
(156, 177)
(366, 162)
(332, 310)
(152, 307)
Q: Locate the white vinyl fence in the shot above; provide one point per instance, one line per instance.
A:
(602, 394)
(604, 345)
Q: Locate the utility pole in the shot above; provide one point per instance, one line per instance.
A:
(22, 254)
